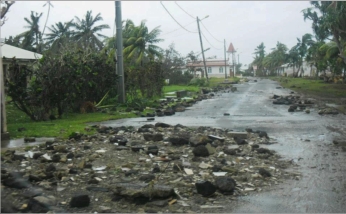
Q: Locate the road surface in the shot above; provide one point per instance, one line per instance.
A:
(322, 165)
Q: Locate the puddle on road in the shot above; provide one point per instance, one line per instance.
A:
(20, 142)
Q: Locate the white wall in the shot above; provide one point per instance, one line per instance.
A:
(306, 67)
(216, 73)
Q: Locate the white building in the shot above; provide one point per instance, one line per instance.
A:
(215, 67)
(305, 70)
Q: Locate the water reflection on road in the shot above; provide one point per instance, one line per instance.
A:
(302, 138)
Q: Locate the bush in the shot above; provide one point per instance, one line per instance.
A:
(201, 82)
(61, 82)
(178, 77)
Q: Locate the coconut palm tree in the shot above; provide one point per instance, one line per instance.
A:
(302, 48)
(87, 34)
(33, 35)
(259, 57)
(139, 43)
(60, 33)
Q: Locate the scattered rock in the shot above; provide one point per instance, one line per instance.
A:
(18, 183)
(205, 188)
(226, 185)
(153, 137)
(265, 173)
(80, 200)
(29, 139)
(200, 151)
(147, 178)
(135, 190)
(162, 125)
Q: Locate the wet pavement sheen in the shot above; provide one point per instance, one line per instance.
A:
(321, 187)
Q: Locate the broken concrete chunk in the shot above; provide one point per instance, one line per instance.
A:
(213, 137)
(242, 135)
(188, 171)
(134, 190)
(211, 150)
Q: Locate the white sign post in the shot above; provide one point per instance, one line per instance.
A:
(254, 68)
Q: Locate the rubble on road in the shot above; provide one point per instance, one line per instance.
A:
(151, 168)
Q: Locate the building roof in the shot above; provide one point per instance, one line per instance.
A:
(9, 51)
(208, 62)
(231, 48)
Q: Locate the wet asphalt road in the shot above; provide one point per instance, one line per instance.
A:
(322, 185)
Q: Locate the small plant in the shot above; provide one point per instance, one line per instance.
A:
(201, 82)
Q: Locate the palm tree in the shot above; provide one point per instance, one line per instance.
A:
(258, 60)
(87, 33)
(60, 33)
(33, 35)
(302, 48)
(45, 24)
(140, 43)
(127, 26)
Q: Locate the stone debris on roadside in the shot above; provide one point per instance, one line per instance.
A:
(168, 166)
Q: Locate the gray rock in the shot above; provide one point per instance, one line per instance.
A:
(50, 168)
(179, 140)
(153, 137)
(45, 200)
(242, 135)
(153, 150)
(199, 140)
(147, 178)
(159, 203)
(97, 189)
(32, 192)
(18, 183)
(29, 139)
(56, 158)
(264, 151)
(162, 125)
(211, 150)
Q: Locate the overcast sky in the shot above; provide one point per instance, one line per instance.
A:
(244, 23)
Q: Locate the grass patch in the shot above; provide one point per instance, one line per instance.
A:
(313, 87)
(71, 122)
(74, 122)
(171, 88)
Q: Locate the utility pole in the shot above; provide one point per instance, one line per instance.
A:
(200, 39)
(224, 45)
(119, 60)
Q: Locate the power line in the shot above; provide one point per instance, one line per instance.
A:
(177, 29)
(175, 19)
(210, 33)
(184, 10)
(209, 42)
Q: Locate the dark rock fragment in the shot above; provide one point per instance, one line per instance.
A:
(205, 188)
(226, 185)
(80, 200)
(200, 151)
(265, 173)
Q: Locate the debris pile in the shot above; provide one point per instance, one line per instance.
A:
(153, 168)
